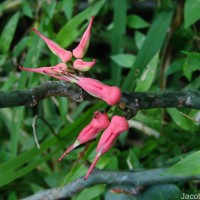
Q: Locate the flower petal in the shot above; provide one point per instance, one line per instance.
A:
(92, 166)
(73, 146)
(81, 49)
(54, 71)
(63, 54)
(117, 126)
(82, 65)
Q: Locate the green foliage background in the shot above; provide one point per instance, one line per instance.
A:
(139, 46)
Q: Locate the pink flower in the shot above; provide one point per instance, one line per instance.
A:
(54, 71)
(111, 95)
(63, 54)
(81, 49)
(99, 122)
(117, 126)
(82, 65)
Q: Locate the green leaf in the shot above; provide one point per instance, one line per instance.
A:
(191, 12)
(8, 33)
(124, 60)
(181, 121)
(139, 39)
(188, 166)
(27, 161)
(149, 147)
(175, 67)
(26, 7)
(191, 64)
(71, 30)
(115, 196)
(148, 76)
(79, 109)
(90, 193)
(2, 60)
(119, 29)
(156, 192)
(67, 5)
(50, 9)
(160, 192)
(194, 84)
(21, 45)
(16, 129)
(30, 60)
(63, 107)
(153, 43)
(6, 6)
(136, 22)
(132, 160)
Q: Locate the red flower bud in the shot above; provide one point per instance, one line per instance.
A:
(99, 122)
(111, 95)
(117, 126)
(63, 54)
(82, 65)
(81, 49)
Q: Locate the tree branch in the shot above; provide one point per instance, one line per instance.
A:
(31, 97)
(133, 102)
(130, 102)
(135, 179)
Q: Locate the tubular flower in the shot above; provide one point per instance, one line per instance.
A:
(110, 94)
(99, 122)
(82, 65)
(63, 54)
(117, 126)
(54, 71)
(82, 47)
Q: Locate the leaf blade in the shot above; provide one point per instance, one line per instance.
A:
(188, 166)
(191, 12)
(158, 30)
(8, 33)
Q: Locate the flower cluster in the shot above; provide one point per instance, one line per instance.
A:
(69, 70)
(100, 122)
(117, 126)
(66, 70)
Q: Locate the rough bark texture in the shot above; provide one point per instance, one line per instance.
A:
(136, 179)
(130, 102)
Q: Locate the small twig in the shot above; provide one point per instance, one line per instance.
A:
(81, 154)
(34, 128)
(145, 129)
(34, 131)
(190, 118)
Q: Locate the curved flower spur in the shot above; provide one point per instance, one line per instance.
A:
(63, 54)
(81, 49)
(54, 71)
(99, 122)
(117, 126)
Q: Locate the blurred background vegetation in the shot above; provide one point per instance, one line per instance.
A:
(144, 46)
